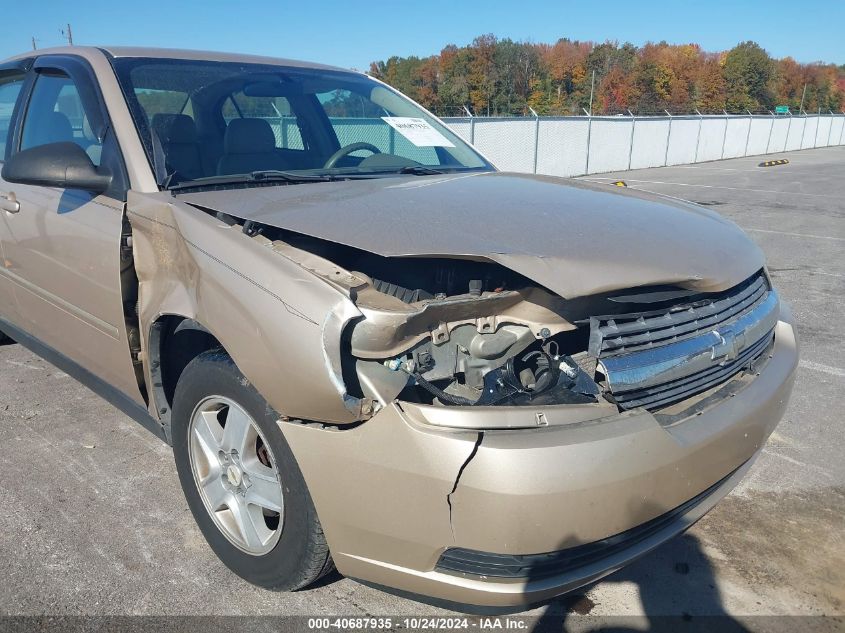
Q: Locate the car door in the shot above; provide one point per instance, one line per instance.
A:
(12, 79)
(63, 245)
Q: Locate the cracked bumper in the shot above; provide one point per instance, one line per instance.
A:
(381, 488)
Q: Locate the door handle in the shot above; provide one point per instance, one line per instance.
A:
(9, 202)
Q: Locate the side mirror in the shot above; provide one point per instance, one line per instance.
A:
(64, 165)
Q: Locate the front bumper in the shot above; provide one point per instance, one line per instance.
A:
(396, 492)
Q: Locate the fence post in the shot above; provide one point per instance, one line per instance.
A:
(536, 137)
(472, 131)
(842, 129)
(748, 134)
(589, 133)
(698, 138)
(668, 139)
(631, 139)
(725, 136)
(830, 128)
(788, 128)
(803, 132)
(771, 127)
(818, 120)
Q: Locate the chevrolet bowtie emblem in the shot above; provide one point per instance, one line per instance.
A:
(725, 350)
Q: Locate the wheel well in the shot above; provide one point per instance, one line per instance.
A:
(174, 342)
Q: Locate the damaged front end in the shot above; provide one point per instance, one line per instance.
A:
(505, 341)
(444, 333)
(445, 304)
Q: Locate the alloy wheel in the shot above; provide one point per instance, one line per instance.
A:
(236, 475)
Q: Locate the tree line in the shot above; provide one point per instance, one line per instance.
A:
(501, 77)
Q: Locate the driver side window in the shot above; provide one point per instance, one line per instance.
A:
(10, 88)
(55, 114)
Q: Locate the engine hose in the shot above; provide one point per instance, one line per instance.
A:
(442, 395)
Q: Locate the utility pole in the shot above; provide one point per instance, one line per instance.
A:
(592, 87)
(34, 47)
(69, 35)
(803, 94)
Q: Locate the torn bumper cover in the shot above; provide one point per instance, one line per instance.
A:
(402, 493)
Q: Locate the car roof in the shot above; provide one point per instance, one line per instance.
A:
(175, 53)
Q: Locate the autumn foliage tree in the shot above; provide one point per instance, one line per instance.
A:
(502, 77)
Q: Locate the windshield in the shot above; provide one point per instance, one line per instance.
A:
(204, 121)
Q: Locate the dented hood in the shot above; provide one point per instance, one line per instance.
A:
(573, 237)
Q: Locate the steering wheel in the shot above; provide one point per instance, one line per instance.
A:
(348, 149)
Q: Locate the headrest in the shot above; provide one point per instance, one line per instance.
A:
(54, 128)
(249, 136)
(175, 128)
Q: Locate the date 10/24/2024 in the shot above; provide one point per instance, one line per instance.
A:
(420, 623)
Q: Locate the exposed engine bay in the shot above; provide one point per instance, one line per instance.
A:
(451, 331)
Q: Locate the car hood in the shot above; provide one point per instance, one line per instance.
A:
(574, 237)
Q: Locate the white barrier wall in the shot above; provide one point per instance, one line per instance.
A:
(561, 147)
(574, 146)
(683, 141)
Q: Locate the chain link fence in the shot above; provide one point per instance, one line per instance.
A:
(575, 146)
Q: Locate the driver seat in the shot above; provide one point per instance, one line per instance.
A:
(249, 145)
(178, 136)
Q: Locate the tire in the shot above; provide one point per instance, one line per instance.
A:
(295, 554)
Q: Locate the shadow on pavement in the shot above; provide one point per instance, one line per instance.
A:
(677, 589)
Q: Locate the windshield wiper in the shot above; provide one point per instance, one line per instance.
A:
(265, 175)
(419, 170)
(288, 176)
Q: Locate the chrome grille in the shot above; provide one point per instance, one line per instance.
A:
(656, 359)
(621, 334)
(664, 394)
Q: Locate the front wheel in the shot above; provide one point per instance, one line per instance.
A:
(241, 480)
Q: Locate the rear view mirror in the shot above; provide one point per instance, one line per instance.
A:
(64, 165)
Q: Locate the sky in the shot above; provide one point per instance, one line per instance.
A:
(351, 34)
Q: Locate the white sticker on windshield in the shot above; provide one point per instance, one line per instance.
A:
(418, 131)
